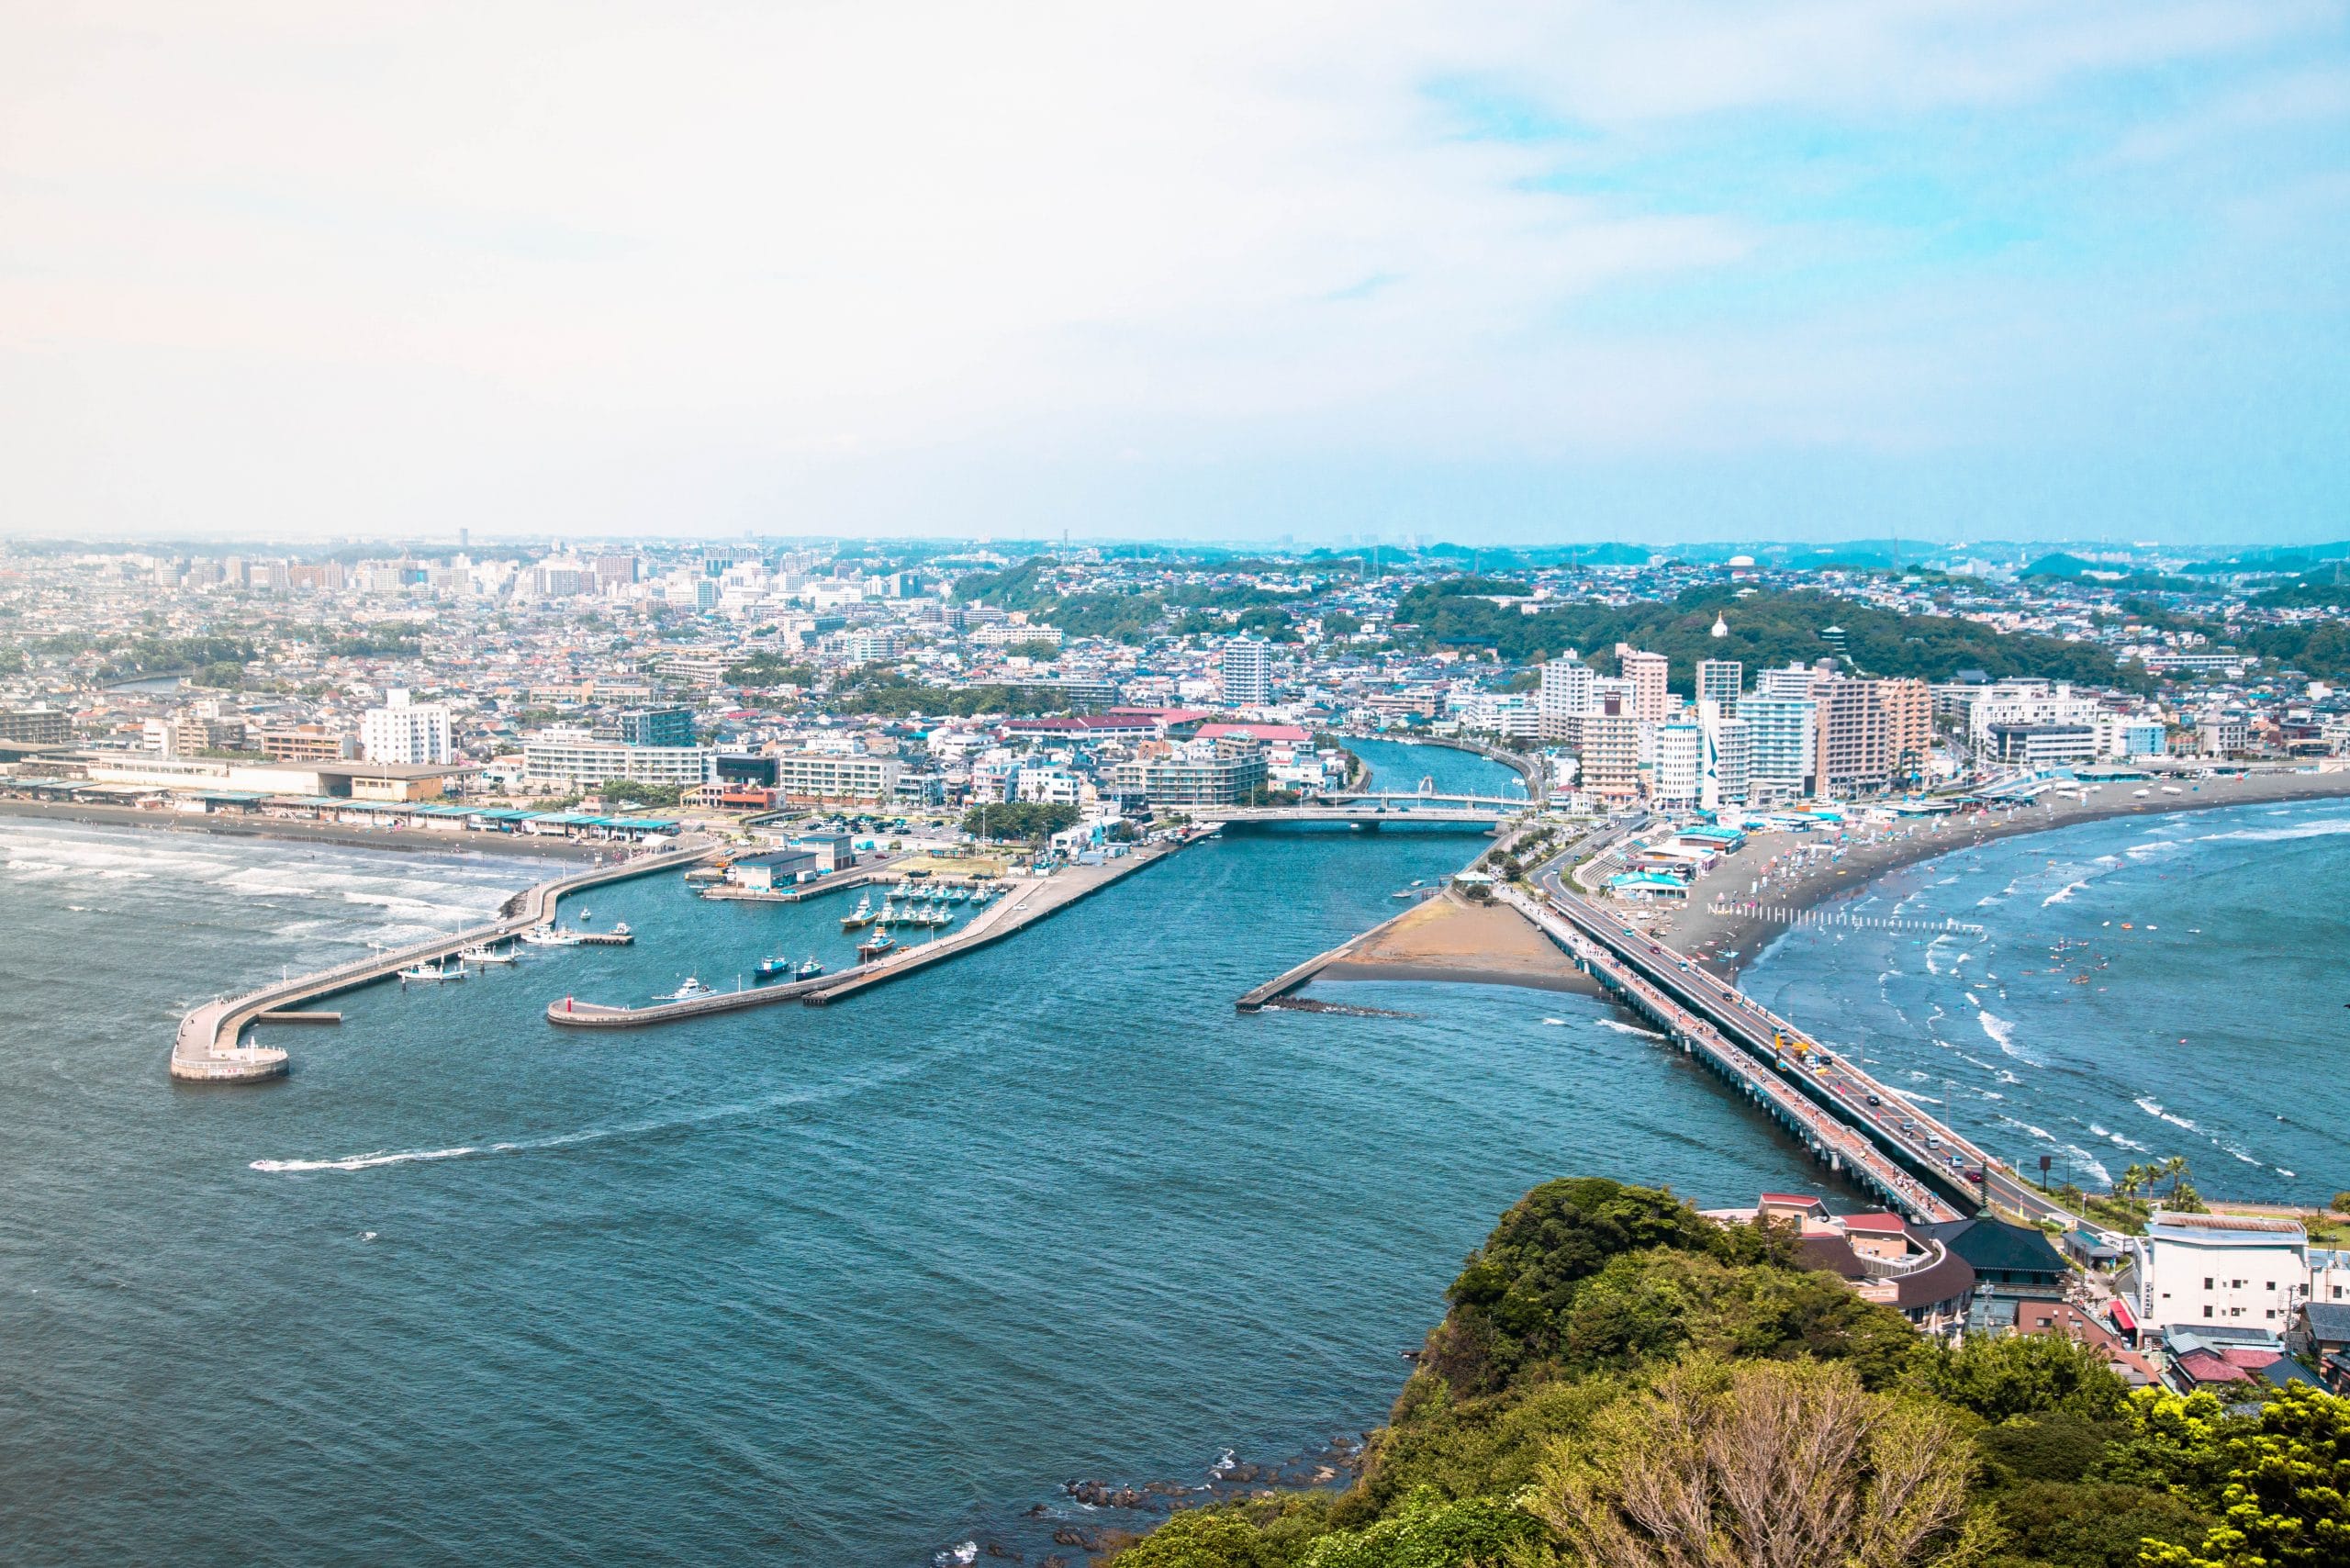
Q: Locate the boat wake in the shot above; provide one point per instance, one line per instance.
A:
(1623, 1028)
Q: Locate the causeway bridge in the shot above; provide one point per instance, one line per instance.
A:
(1826, 1107)
(210, 1046)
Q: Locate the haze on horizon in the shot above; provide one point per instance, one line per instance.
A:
(1491, 272)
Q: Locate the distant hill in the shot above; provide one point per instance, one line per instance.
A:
(1764, 630)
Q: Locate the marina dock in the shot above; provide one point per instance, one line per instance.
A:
(210, 1046)
(1029, 902)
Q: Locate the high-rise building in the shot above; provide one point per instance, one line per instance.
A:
(402, 731)
(1781, 746)
(1566, 690)
(1646, 671)
(1729, 762)
(1794, 681)
(1247, 673)
(1872, 735)
(1719, 681)
(1680, 765)
(657, 726)
(1607, 744)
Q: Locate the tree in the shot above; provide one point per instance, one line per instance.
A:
(1429, 1531)
(1761, 1464)
(2024, 1374)
(2340, 1203)
(2285, 1497)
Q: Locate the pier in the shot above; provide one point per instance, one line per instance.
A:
(1292, 980)
(1030, 901)
(210, 1046)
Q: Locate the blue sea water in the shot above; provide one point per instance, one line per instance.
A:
(2143, 987)
(848, 1285)
(794, 1286)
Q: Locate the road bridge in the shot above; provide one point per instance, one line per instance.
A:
(1659, 986)
(1375, 810)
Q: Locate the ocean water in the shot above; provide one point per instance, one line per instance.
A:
(2143, 987)
(850, 1285)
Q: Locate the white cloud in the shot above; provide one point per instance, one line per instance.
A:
(309, 264)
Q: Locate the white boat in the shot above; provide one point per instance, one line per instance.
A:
(861, 917)
(550, 937)
(483, 953)
(432, 972)
(811, 969)
(686, 992)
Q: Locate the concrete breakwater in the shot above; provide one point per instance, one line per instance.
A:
(210, 1048)
(1022, 907)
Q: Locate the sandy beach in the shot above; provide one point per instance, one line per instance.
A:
(1449, 938)
(1801, 870)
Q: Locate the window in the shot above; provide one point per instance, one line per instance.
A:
(2272, 1312)
(2206, 1309)
(2207, 1283)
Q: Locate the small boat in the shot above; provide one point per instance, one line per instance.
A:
(483, 953)
(859, 918)
(874, 946)
(621, 929)
(550, 936)
(888, 914)
(769, 968)
(810, 970)
(686, 992)
(432, 972)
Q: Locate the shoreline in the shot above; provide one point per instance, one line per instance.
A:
(1726, 942)
(453, 844)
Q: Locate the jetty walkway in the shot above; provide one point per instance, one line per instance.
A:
(210, 1046)
(1029, 902)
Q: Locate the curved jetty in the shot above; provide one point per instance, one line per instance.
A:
(211, 1048)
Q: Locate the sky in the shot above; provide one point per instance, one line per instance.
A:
(1492, 272)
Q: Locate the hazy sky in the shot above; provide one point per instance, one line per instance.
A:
(1490, 271)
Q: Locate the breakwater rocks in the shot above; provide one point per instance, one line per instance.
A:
(1092, 1518)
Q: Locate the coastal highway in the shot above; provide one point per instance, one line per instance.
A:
(1699, 1030)
(1925, 1144)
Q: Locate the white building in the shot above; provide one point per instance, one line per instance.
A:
(1248, 669)
(575, 756)
(1729, 758)
(1781, 748)
(404, 732)
(1567, 690)
(1794, 681)
(826, 776)
(2018, 704)
(2240, 1271)
(1680, 765)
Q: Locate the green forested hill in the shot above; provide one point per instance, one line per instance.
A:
(1764, 630)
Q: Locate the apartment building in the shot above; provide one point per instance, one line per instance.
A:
(1721, 682)
(1646, 671)
(828, 776)
(405, 731)
(1871, 733)
(576, 756)
(1566, 692)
